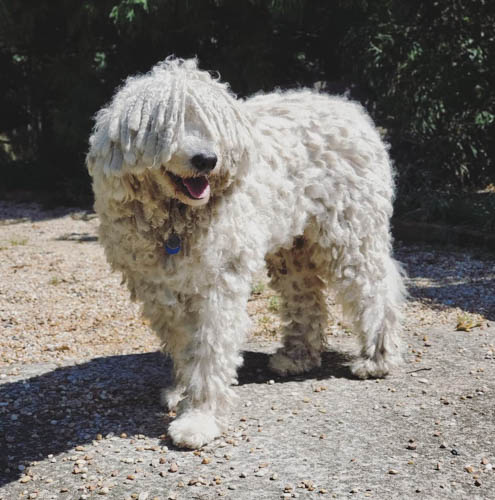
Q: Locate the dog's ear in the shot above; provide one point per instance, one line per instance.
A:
(129, 134)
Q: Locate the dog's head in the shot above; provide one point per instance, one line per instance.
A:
(178, 121)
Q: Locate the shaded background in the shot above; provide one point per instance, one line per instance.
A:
(425, 70)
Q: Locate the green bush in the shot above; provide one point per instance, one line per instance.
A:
(426, 70)
(423, 69)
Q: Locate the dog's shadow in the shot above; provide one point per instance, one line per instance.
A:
(255, 368)
(55, 411)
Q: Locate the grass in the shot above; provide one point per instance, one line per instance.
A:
(15, 242)
(466, 322)
(274, 303)
(265, 320)
(258, 288)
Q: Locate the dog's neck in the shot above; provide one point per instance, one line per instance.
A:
(171, 219)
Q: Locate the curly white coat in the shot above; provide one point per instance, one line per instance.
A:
(301, 181)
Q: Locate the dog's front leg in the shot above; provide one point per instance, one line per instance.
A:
(207, 366)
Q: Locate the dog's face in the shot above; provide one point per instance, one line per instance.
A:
(178, 124)
(191, 172)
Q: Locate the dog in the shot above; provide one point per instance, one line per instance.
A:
(197, 191)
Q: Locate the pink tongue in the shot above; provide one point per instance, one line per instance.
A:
(197, 186)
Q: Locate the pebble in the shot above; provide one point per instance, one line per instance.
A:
(173, 467)
(104, 491)
(485, 464)
(393, 471)
(198, 480)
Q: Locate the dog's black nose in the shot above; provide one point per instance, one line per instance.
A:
(204, 163)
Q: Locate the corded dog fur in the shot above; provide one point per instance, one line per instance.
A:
(196, 190)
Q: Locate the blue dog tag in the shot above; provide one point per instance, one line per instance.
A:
(172, 245)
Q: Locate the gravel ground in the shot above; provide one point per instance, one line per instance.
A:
(80, 377)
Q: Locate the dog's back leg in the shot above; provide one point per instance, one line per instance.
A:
(295, 274)
(369, 285)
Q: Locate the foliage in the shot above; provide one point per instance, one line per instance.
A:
(423, 69)
(427, 71)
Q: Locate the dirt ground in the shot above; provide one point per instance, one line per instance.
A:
(80, 377)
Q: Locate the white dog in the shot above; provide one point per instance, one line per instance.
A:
(196, 190)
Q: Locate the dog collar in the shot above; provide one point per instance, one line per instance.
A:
(172, 245)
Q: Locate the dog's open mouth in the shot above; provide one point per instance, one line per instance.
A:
(196, 188)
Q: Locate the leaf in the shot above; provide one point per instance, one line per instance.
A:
(466, 323)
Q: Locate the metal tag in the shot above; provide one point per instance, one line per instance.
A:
(172, 245)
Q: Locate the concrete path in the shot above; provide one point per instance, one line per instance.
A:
(96, 429)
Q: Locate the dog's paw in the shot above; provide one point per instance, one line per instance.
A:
(193, 429)
(370, 368)
(285, 363)
(170, 398)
